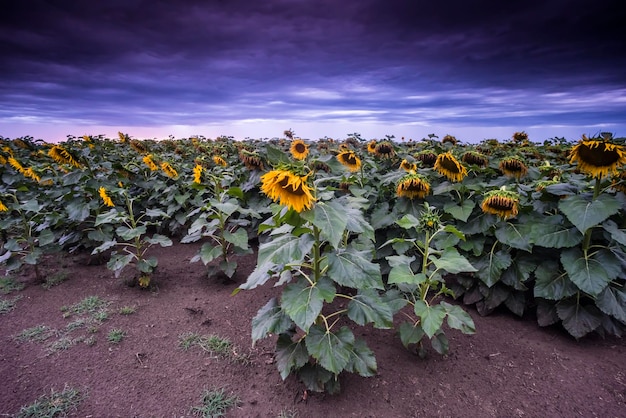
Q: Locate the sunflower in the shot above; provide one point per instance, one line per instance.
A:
(412, 185)
(407, 166)
(502, 203)
(385, 150)
(299, 149)
(513, 167)
(123, 137)
(350, 160)
(449, 139)
(428, 158)
(147, 160)
(197, 174)
(597, 157)
(62, 156)
(447, 165)
(371, 147)
(619, 182)
(3, 207)
(105, 197)
(169, 170)
(3, 160)
(139, 146)
(219, 161)
(30, 173)
(16, 165)
(287, 188)
(520, 137)
(475, 158)
(251, 160)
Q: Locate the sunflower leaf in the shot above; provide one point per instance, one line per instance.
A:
(303, 302)
(585, 212)
(331, 218)
(586, 272)
(354, 269)
(332, 350)
(431, 317)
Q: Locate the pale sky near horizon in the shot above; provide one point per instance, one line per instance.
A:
(473, 69)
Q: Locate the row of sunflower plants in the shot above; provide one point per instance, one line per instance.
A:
(359, 232)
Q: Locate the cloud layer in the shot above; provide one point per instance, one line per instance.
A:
(246, 67)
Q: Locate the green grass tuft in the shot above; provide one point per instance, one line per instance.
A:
(215, 403)
(57, 404)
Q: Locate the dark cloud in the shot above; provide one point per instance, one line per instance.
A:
(152, 63)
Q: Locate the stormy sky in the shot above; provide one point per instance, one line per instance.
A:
(474, 69)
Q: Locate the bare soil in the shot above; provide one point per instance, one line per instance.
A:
(510, 368)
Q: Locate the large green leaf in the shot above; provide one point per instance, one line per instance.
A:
(368, 307)
(207, 253)
(381, 217)
(515, 235)
(107, 217)
(285, 249)
(585, 212)
(259, 276)
(303, 302)
(452, 262)
(491, 266)
(431, 316)
(404, 274)
(118, 262)
(586, 272)
(555, 235)
(354, 269)
(45, 237)
(269, 319)
(357, 223)
(461, 212)
(128, 234)
(362, 360)
(612, 301)
(577, 319)
(333, 351)
(331, 218)
(239, 238)
(162, 240)
(147, 265)
(617, 234)
(290, 355)
(458, 318)
(77, 210)
(410, 333)
(551, 283)
(408, 221)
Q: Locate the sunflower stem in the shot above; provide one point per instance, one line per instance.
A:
(587, 237)
(316, 254)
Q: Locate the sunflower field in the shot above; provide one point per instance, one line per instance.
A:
(392, 234)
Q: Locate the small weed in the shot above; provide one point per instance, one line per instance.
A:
(101, 315)
(288, 413)
(55, 404)
(90, 304)
(128, 310)
(61, 344)
(216, 345)
(8, 284)
(7, 305)
(91, 341)
(79, 323)
(188, 340)
(37, 333)
(55, 279)
(116, 335)
(215, 403)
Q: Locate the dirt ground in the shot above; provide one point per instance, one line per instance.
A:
(510, 368)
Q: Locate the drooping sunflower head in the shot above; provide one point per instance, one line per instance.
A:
(299, 150)
(321, 166)
(598, 157)
(288, 189)
(408, 166)
(520, 137)
(62, 156)
(412, 186)
(16, 165)
(350, 160)
(197, 174)
(371, 147)
(427, 158)
(449, 139)
(218, 160)
(385, 149)
(106, 199)
(503, 203)
(251, 160)
(513, 167)
(30, 173)
(169, 170)
(147, 160)
(475, 158)
(139, 146)
(3, 207)
(447, 165)
(122, 136)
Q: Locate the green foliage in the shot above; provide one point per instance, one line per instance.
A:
(56, 404)
(215, 403)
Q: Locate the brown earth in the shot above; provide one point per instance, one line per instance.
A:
(510, 368)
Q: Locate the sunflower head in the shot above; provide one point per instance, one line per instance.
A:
(147, 160)
(251, 160)
(122, 136)
(385, 149)
(62, 156)
(503, 203)
(619, 182)
(169, 170)
(218, 160)
(519, 137)
(371, 147)
(598, 157)
(412, 186)
(427, 158)
(447, 165)
(430, 219)
(197, 174)
(139, 146)
(106, 199)
(513, 167)
(449, 139)
(299, 150)
(287, 188)
(475, 158)
(407, 166)
(321, 166)
(3, 207)
(350, 160)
